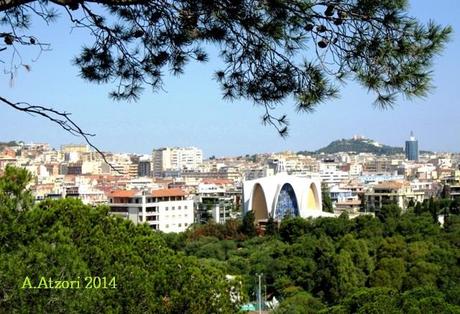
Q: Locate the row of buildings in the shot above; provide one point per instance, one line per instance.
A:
(171, 188)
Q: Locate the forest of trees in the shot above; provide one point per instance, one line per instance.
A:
(66, 240)
(393, 263)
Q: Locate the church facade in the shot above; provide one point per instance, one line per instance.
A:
(283, 195)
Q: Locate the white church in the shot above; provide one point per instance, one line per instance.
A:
(283, 195)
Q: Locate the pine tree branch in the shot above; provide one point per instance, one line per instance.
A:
(60, 118)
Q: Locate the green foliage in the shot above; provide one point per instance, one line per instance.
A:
(324, 265)
(359, 146)
(271, 228)
(414, 227)
(8, 144)
(390, 272)
(388, 212)
(326, 199)
(300, 303)
(368, 227)
(248, 227)
(292, 228)
(13, 188)
(371, 300)
(363, 265)
(67, 240)
(426, 300)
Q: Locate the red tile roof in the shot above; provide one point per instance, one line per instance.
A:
(123, 193)
(391, 185)
(168, 192)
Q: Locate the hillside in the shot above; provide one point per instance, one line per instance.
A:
(360, 145)
(8, 144)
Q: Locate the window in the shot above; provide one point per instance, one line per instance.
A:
(185, 224)
(166, 208)
(167, 226)
(172, 208)
(179, 207)
(185, 207)
(179, 225)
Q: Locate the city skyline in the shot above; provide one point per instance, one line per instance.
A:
(208, 155)
(136, 189)
(191, 112)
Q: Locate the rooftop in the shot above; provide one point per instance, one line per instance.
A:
(217, 181)
(168, 192)
(123, 193)
(393, 185)
(154, 193)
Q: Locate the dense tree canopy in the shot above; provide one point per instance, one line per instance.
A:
(271, 49)
(66, 241)
(395, 263)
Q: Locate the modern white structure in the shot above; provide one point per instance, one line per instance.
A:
(166, 210)
(176, 158)
(283, 195)
(333, 177)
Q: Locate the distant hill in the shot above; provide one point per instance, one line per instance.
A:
(8, 144)
(360, 145)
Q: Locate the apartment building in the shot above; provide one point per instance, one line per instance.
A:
(216, 198)
(334, 177)
(392, 192)
(176, 158)
(165, 210)
(78, 148)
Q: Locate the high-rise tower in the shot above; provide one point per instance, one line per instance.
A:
(412, 148)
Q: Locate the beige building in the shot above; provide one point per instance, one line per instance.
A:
(75, 148)
(351, 206)
(391, 192)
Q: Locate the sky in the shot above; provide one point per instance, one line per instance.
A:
(190, 110)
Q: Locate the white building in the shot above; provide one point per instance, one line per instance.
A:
(282, 195)
(166, 210)
(176, 158)
(219, 197)
(333, 177)
(142, 183)
(95, 167)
